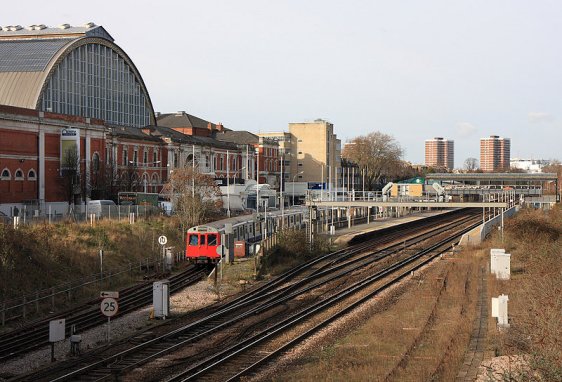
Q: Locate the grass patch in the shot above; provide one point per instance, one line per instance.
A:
(534, 239)
(40, 256)
(293, 249)
(419, 331)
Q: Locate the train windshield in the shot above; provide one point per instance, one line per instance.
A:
(212, 239)
(193, 240)
(202, 240)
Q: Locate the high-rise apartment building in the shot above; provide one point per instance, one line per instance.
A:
(440, 153)
(494, 153)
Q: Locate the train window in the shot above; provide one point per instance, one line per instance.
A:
(212, 239)
(202, 240)
(192, 239)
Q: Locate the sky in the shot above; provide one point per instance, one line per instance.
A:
(462, 69)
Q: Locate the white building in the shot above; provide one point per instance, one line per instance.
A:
(529, 165)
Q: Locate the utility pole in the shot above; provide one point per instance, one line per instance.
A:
(228, 182)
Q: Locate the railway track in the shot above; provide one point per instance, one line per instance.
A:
(291, 285)
(32, 337)
(256, 350)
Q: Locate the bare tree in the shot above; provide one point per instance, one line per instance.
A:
(378, 154)
(195, 196)
(129, 178)
(471, 164)
(555, 166)
(70, 172)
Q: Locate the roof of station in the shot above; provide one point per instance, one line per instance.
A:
(29, 56)
(492, 176)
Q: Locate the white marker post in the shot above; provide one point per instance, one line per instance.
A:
(162, 240)
(56, 334)
(109, 308)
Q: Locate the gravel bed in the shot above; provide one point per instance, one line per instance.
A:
(190, 298)
(337, 329)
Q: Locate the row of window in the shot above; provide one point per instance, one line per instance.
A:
(18, 174)
(95, 81)
(135, 159)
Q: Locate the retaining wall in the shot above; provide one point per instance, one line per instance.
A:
(478, 234)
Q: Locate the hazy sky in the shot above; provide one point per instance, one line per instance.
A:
(413, 69)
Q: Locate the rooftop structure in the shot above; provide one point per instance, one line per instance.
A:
(72, 70)
(189, 124)
(529, 165)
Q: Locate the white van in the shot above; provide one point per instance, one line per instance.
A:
(100, 207)
(166, 207)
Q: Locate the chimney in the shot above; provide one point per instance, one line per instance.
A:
(209, 126)
(220, 127)
(147, 130)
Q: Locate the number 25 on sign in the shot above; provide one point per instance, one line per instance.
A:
(109, 307)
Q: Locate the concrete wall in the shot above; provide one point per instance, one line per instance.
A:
(479, 234)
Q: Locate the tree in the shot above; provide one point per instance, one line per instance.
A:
(554, 167)
(378, 154)
(471, 164)
(195, 196)
(129, 178)
(70, 171)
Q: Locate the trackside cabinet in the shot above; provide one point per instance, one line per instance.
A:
(161, 298)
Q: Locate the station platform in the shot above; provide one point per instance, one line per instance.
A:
(343, 236)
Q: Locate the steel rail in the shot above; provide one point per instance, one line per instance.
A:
(167, 343)
(227, 354)
(235, 304)
(14, 344)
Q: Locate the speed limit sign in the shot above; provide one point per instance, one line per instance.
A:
(162, 240)
(109, 307)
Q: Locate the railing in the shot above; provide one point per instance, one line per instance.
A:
(372, 196)
(84, 213)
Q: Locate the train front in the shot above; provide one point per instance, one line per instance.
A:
(201, 245)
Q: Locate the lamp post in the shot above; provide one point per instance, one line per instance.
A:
(297, 174)
(258, 179)
(228, 188)
(281, 192)
(228, 182)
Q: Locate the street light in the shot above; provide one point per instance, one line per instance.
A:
(228, 189)
(297, 174)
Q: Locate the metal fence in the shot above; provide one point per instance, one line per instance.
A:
(61, 296)
(85, 213)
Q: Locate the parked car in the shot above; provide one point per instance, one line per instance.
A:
(100, 207)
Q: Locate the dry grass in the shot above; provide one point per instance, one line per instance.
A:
(420, 335)
(41, 256)
(534, 239)
(292, 250)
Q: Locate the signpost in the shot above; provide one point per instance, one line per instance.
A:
(162, 240)
(109, 308)
(105, 294)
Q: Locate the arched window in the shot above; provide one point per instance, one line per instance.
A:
(31, 175)
(154, 182)
(96, 162)
(18, 174)
(6, 175)
(189, 160)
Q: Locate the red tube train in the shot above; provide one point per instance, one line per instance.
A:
(201, 244)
